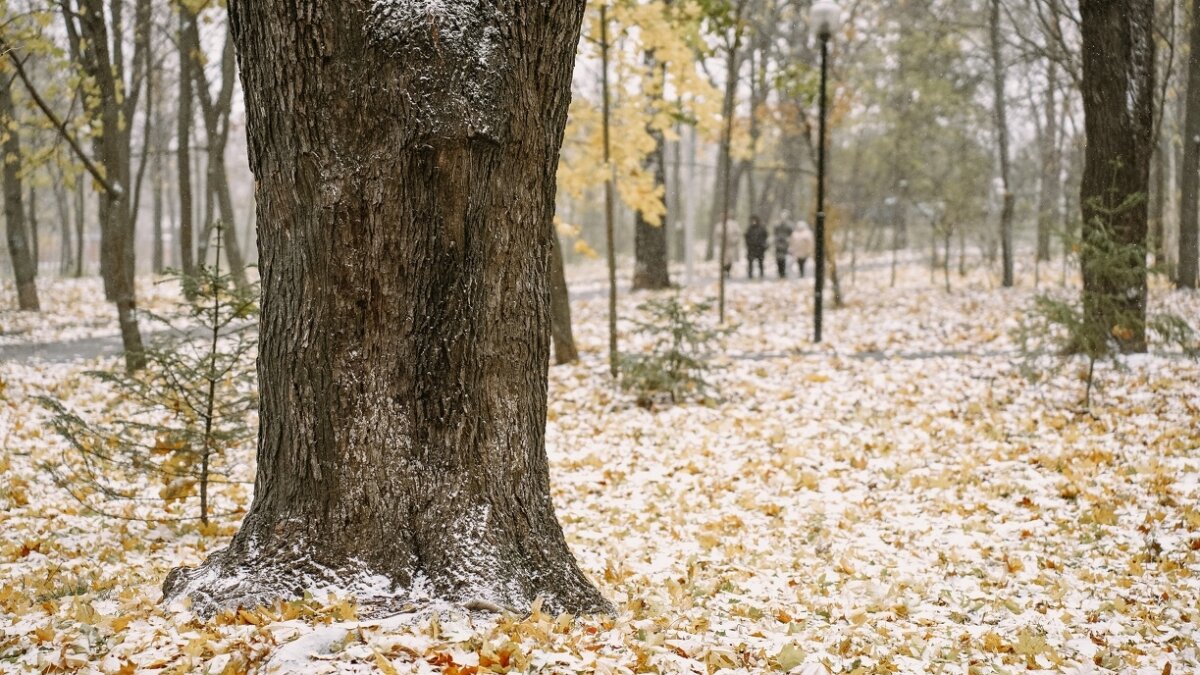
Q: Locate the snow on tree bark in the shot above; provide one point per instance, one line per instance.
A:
(405, 155)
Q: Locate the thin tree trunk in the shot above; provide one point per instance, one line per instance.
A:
(159, 147)
(24, 267)
(114, 149)
(34, 226)
(183, 139)
(62, 205)
(80, 221)
(560, 307)
(1050, 193)
(609, 187)
(216, 128)
(1118, 104)
(650, 270)
(721, 191)
(1001, 118)
(1188, 270)
(405, 329)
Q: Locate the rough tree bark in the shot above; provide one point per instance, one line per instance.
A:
(23, 265)
(404, 153)
(1189, 242)
(1001, 118)
(1118, 106)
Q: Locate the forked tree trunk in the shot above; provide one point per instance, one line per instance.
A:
(405, 181)
(24, 268)
(1118, 106)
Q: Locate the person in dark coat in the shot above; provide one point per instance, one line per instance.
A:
(756, 245)
(780, 235)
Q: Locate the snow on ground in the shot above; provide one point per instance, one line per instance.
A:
(899, 499)
(75, 309)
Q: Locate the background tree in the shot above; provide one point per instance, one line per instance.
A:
(23, 261)
(1189, 199)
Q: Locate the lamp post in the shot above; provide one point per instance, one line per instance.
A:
(824, 19)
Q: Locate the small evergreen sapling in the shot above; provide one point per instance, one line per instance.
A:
(1102, 324)
(676, 363)
(174, 421)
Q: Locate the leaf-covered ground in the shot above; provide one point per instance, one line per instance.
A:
(899, 499)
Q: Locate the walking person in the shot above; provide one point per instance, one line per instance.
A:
(733, 243)
(756, 245)
(780, 236)
(800, 245)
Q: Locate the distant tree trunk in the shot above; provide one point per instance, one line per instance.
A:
(183, 136)
(62, 205)
(80, 221)
(215, 114)
(158, 142)
(1118, 105)
(724, 164)
(1001, 117)
(34, 235)
(1050, 193)
(675, 208)
(405, 182)
(610, 244)
(650, 270)
(117, 104)
(24, 268)
(560, 307)
(1189, 215)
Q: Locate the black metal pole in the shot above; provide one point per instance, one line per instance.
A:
(819, 286)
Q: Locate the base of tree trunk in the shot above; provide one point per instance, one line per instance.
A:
(27, 298)
(261, 567)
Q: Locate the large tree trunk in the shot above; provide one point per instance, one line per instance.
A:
(24, 268)
(1118, 105)
(1189, 242)
(1001, 118)
(560, 307)
(405, 181)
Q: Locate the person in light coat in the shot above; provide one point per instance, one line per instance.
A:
(800, 245)
(733, 244)
(781, 234)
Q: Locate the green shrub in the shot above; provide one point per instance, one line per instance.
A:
(1102, 323)
(172, 422)
(676, 363)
